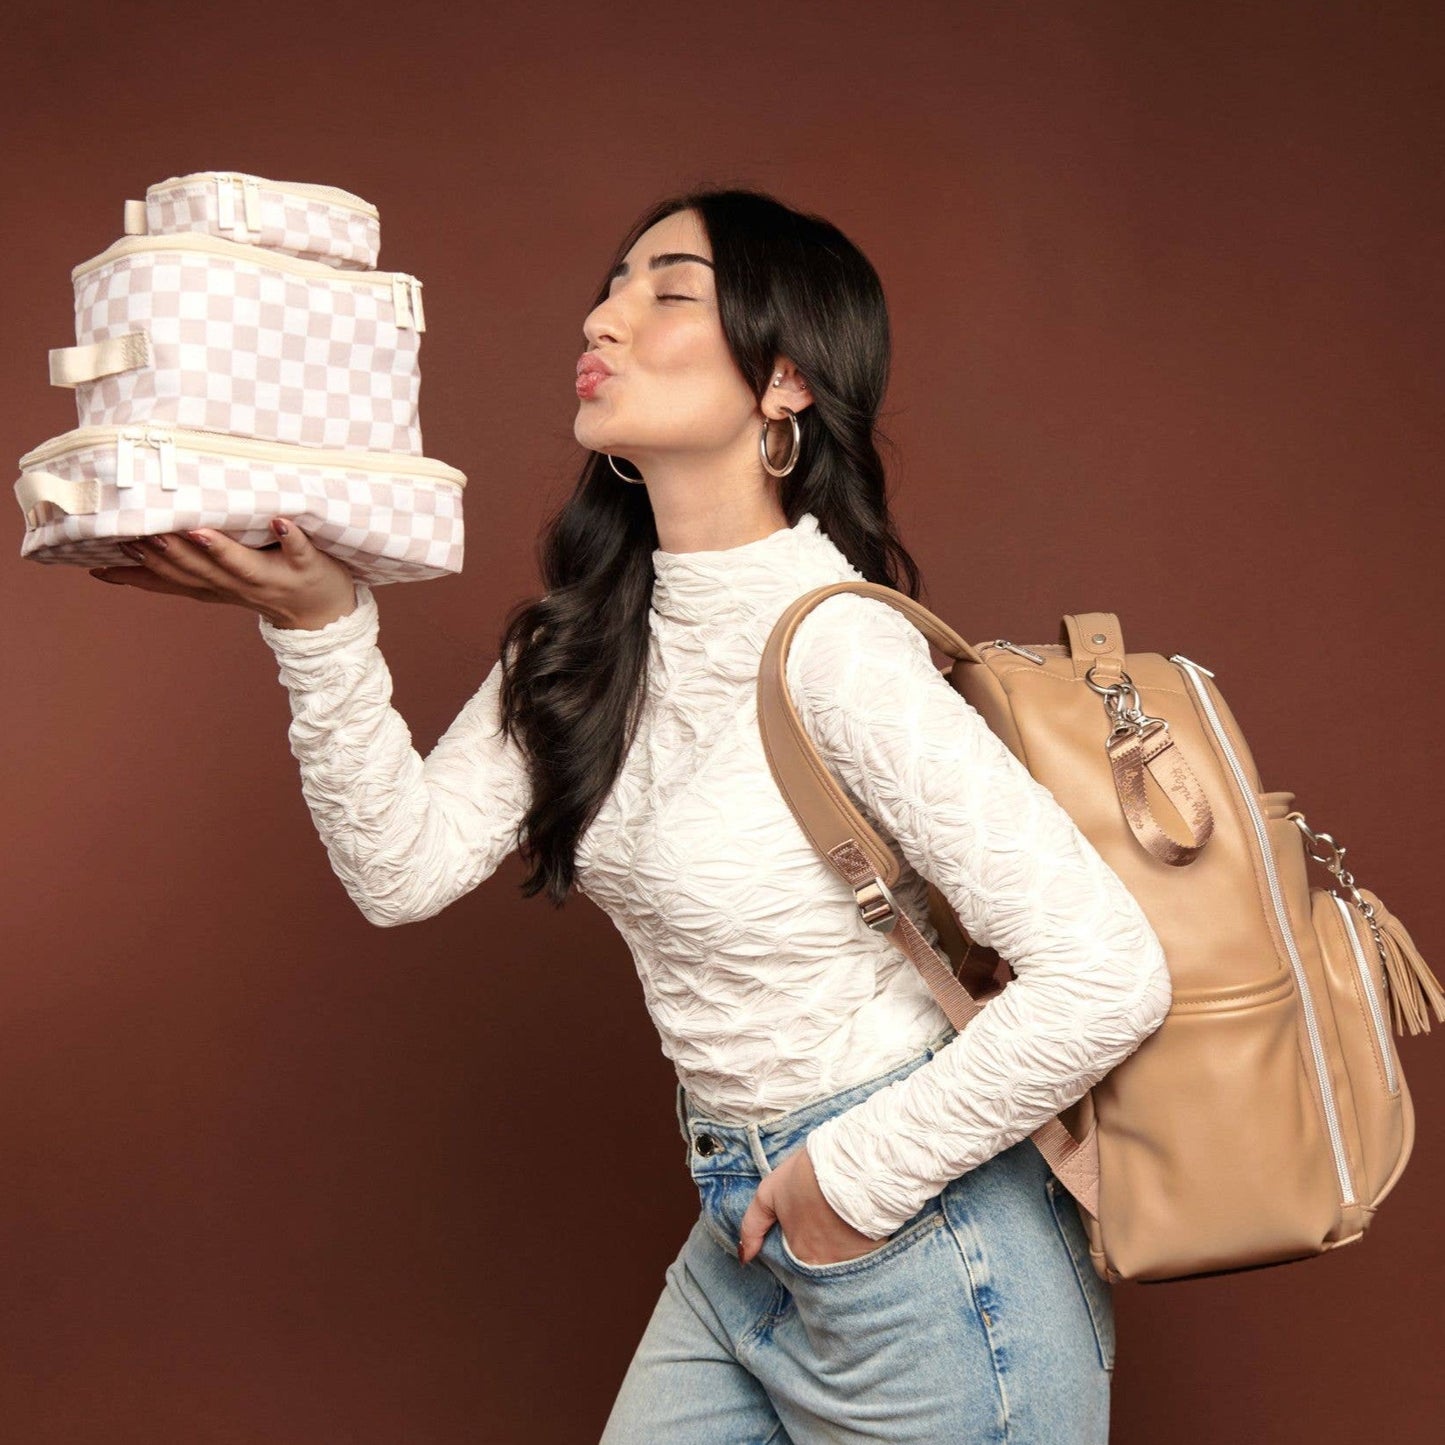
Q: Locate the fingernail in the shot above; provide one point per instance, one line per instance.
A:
(158, 542)
(279, 527)
(199, 538)
(131, 550)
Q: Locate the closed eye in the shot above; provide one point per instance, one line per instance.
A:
(671, 296)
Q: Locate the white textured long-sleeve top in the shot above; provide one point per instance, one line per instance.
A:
(766, 987)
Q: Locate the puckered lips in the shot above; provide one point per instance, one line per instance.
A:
(592, 371)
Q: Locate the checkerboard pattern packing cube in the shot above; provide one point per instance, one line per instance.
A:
(237, 359)
(385, 525)
(320, 223)
(243, 346)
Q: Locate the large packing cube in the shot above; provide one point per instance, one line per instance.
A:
(389, 518)
(219, 383)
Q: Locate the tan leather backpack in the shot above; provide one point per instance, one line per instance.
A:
(1266, 1119)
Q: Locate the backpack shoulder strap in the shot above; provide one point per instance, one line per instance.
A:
(844, 837)
(823, 809)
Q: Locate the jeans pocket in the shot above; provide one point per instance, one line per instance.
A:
(909, 1232)
(1098, 1299)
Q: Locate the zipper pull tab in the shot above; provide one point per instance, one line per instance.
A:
(251, 203)
(165, 445)
(225, 202)
(1008, 646)
(400, 300)
(416, 311)
(1180, 657)
(125, 442)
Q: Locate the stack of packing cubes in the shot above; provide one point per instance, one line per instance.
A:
(239, 357)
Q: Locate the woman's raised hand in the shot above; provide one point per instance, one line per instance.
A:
(293, 585)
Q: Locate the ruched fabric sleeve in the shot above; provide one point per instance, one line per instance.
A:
(1091, 982)
(405, 835)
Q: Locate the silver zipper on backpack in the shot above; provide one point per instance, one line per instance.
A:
(1377, 1012)
(1014, 647)
(1191, 671)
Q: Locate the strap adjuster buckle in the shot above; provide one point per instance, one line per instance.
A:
(877, 905)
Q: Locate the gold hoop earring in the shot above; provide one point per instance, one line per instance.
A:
(792, 461)
(620, 473)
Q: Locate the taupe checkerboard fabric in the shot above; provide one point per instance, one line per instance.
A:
(247, 342)
(248, 348)
(294, 224)
(386, 526)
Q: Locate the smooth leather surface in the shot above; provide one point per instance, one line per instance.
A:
(1213, 1140)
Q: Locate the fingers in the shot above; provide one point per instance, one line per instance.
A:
(215, 558)
(147, 581)
(173, 559)
(165, 566)
(756, 1222)
(296, 546)
(201, 557)
(205, 563)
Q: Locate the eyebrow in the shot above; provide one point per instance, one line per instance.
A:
(665, 258)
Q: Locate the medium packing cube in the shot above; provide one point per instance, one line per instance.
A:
(219, 383)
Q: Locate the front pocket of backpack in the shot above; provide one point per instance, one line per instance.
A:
(1354, 978)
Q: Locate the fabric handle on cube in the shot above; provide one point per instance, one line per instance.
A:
(71, 365)
(73, 495)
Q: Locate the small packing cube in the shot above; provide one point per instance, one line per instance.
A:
(221, 382)
(296, 218)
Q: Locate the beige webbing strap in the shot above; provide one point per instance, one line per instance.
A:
(1153, 750)
(135, 218)
(71, 365)
(73, 495)
(1143, 748)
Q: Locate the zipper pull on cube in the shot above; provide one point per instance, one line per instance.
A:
(165, 445)
(225, 202)
(251, 204)
(400, 300)
(125, 456)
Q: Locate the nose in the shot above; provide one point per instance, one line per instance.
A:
(604, 323)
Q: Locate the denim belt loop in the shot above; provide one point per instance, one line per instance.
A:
(755, 1143)
(682, 1118)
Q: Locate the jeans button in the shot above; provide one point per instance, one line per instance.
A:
(705, 1144)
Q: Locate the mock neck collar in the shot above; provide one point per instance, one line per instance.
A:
(763, 575)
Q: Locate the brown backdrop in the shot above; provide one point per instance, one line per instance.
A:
(1167, 310)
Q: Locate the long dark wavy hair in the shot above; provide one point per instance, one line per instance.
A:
(574, 660)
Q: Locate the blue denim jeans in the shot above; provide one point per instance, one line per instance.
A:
(979, 1319)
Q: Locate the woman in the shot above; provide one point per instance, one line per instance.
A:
(926, 1280)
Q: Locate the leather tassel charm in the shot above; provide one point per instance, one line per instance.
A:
(1414, 989)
